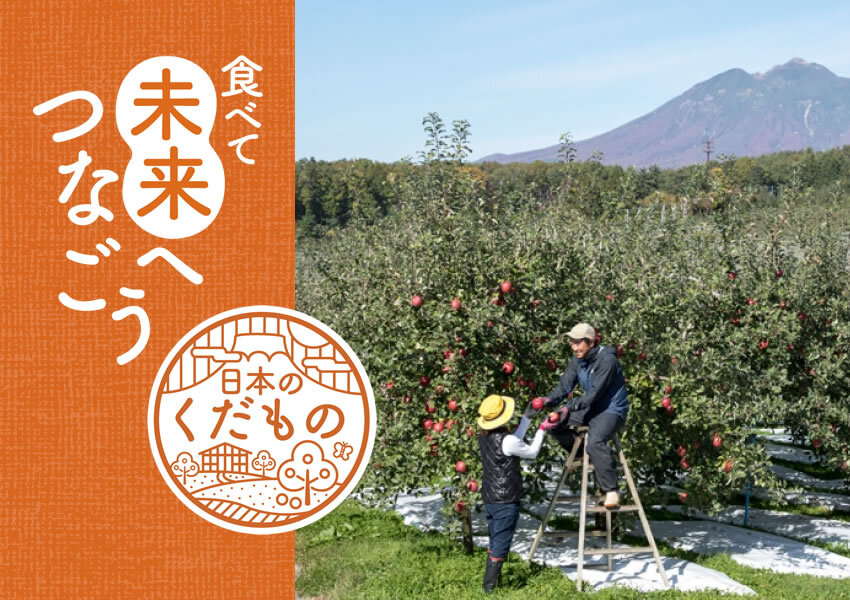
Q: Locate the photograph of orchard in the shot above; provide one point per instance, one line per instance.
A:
(723, 285)
(725, 288)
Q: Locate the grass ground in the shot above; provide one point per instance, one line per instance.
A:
(361, 553)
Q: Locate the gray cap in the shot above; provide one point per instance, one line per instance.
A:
(581, 331)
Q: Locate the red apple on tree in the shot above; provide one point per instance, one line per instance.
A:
(406, 399)
(666, 402)
(472, 486)
(430, 408)
(428, 423)
(763, 345)
(508, 367)
(438, 426)
(716, 441)
(684, 464)
(424, 381)
(416, 301)
(727, 466)
(681, 451)
(683, 496)
(779, 273)
(452, 405)
(551, 364)
(455, 303)
(506, 287)
(816, 443)
(459, 506)
(668, 390)
(460, 466)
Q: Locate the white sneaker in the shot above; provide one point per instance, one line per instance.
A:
(612, 499)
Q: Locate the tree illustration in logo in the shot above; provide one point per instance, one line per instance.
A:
(307, 470)
(185, 465)
(263, 462)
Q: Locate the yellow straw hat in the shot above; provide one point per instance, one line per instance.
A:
(495, 411)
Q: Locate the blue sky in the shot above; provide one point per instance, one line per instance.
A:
(524, 72)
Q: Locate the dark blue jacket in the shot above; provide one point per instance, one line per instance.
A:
(601, 379)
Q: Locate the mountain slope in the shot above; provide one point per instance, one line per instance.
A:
(791, 107)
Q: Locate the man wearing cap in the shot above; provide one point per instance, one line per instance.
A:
(501, 483)
(603, 407)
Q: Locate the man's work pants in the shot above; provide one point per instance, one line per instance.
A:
(601, 429)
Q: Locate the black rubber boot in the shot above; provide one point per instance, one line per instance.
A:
(492, 574)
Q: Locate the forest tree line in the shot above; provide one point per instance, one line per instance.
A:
(330, 193)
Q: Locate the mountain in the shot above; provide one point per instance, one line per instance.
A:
(793, 106)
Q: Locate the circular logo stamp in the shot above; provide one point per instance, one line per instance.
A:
(261, 420)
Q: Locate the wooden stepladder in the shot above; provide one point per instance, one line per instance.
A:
(571, 465)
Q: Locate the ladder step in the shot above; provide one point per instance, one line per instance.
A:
(576, 464)
(568, 499)
(621, 508)
(629, 550)
(566, 534)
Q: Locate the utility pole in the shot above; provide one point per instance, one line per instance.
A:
(709, 146)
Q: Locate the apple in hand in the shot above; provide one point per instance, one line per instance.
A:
(554, 417)
(537, 403)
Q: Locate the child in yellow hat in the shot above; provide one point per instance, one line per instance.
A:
(501, 486)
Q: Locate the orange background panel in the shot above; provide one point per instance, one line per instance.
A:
(85, 511)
